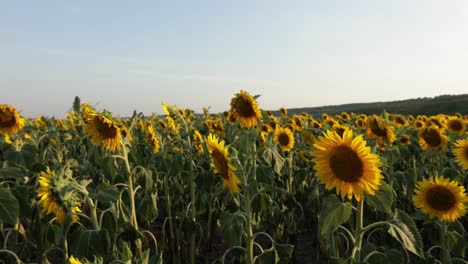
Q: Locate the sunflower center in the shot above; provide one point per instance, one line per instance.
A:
(432, 137)
(7, 119)
(221, 163)
(346, 164)
(105, 130)
(440, 198)
(456, 126)
(244, 107)
(377, 129)
(340, 131)
(283, 139)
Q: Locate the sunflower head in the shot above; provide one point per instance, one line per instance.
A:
(441, 198)
(418, 124)
(103, 131)
(378, 130)
(10, 120)
(460, 151)
(435, 120)
(345, 116)
(456, 125)
(360, 123)
(245, 109)
(284, 137)
(198, 140)
(309, 137)
(399, 121)
(346, 164)
(432, 138)
(56, 198)
(405, 139)
(221, 163)
(284, 111)
(296, 121)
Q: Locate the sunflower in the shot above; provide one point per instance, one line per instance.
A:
(73, 260)
(435, 120)
(198, 139)
(441, 198)
(456, 125)
(285, 138)
(265, 128)
(432, 138)
(51, 198)
(399, 121)
(284, 111)
(460, 151)
(221, 163)
(154, 141)
(418, 124)
(103, 131)
(316, 124)
(309, 138)
(378, 130)
(306, 156)
(10, 120)
(296, 121)
(360, 123)
(340, 128)
(172, 124)
(347, 164)
(245, 109)
(345, 116)
(405, 139)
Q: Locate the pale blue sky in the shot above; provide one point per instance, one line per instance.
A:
(127, 55)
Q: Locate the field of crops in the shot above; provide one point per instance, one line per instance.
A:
(243, 186)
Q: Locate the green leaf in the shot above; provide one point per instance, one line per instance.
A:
(382, 200)
(403, 229)
(377, 258)
(90, 243)
(9, 207)
(12, 172)
(283, 252)
(147, 208)
(232, 228)
(456, 244)
(106, 195)
(333, 213)
(109, 168)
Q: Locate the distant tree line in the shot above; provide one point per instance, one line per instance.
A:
(445, 104)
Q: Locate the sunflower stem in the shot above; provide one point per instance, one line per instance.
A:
(359, 232)
(169, 215)
(93, 209)
(290, 174)
(130, 188)
(443, 243)
(248, 209)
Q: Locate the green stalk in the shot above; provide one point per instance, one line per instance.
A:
(194, 214)
(289, 185)
(359, 232)
(93, 209)
(443, 243)
(133, 218)
(169, 214)
(248, 209)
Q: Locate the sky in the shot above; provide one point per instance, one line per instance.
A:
(133, 55)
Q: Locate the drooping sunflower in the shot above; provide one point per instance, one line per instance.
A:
(103, 131)
(432, 138)
(441, 198)
(359, 123)
(347, 164)
(198, 139)
(221, 163)
(399, 121)
(245, 109)
(51, 198)
(456, 125)
(10, 120)
(170, 118)
(284, 137)
(296, 121)
(309, 137)
(284, 111)
(460, 151)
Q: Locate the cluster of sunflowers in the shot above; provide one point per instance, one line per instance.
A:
(347, 153)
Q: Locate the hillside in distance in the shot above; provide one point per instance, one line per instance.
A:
(445, 104)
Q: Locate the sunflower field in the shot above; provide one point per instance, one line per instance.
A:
(243, 186)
